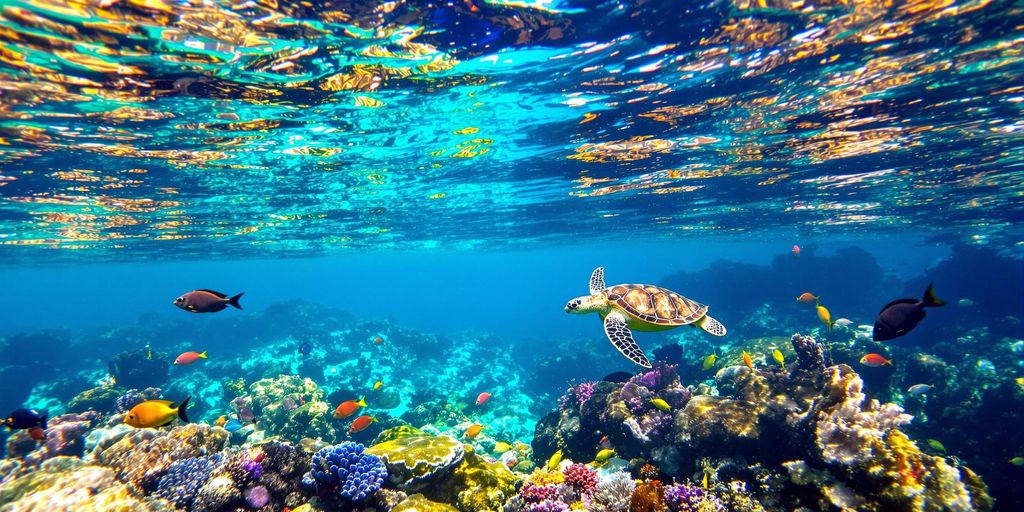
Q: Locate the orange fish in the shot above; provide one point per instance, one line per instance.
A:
(796, 250)
(361, 423)
(348, 407)
(483, 398)
(378, 340)
(874, 360)
(187, 358)
(473, 430)
(748, 361)
(807, 298)
(37, 433)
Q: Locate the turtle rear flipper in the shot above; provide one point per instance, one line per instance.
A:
(711, 326)
(620, 336)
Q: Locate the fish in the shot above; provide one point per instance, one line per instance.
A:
(900, 316)
(843, 322)
(704, 481)
(378, 340)
(554, 460)
(748, 361)
(1020, 381)
(618, 377)
(233, 425)
(824, 315)
(21, 419)
(377, 385)
(779, 358)
(874, 360)
(187, 358)
(796, 251)
(1017, 461)
(156, 413)
(807, 298)
(207, 301)
(604, 455)
(305, 348)
(935, 445)
(919, 389)
(482, 398)
(37, 434)
(661, 405)
(709, 362)
(360, 423)
(965, 303)
(348, 407)
(473, 430)
(220, 421)
(501, 447)
(246, 414)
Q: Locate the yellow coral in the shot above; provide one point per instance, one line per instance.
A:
(541, 476)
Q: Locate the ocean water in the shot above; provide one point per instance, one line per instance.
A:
(409, 193)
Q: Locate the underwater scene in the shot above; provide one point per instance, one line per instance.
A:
(512, 255)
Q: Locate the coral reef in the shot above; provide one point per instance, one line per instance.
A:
(476, 485)
(416, 460)
(141, 368)
(74, 485)
(290, 407)
(346, 472)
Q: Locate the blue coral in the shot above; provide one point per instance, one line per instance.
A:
(351, 474)
(183, 480)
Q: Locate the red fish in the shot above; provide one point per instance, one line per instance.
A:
(348, 408)
(807, 298)
(378, 340)
(187, 358)
(796, 250)
(361, 423)
(206, 301)
(874, 360)
(37, 433)
(482, 398)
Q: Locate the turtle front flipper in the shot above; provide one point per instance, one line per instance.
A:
(711, 326)
(597, 281)
(620, 336)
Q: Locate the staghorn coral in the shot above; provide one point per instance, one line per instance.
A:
(613, 493)
(347, 472)
(414, 461)
(577, 394)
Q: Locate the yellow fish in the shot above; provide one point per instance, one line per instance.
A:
(709, 362)
(824, 316)
(1020, 381)
(473, 430)
(935, 445)
(1017, 461)
(604, 455)
(554, 460)
(704, 481)
(156, 413)
(221, 421)
(779, 358)
(502, 447)
(377, 385)
(661, 405)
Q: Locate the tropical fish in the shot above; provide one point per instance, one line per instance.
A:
(796, 250)
(843, 322)
(156, 413)
(361, 423)
(553, 461)
(187, 358)
(779, 358)
(233, 425)
(21, 419)
(709, 362)
(220, 421)
(378, 340)
(604, 455)
(618, 377)
(1017, 461)
(1020, 381)
(824, 315)
(965, 303)
(37, 434)
(874, 360)
(936, 445)
(482, 398)
(348, 407)
(245, 413)
(807, 298)
(305, 348)
(501, 447)
(919, 389)
(661, 405)
(902, 315)
(704, 481)
(748, 361)
(473, 430)
(206, 301)
(377, 385)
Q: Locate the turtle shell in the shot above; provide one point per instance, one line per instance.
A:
(654, 304)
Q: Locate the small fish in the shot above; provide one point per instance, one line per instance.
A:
(361, 423)
(874, 360)
(807, 298)
(779, 358)
(156, 413)
(501, 447)
(709, 362)
(824, 315)
(221, 421)
(37, 434)
(796, 251)
(207, 301)
(843, 322)
(901, 316)
(936, 445)
(21, 419)
(187, 358)
(245, 414)
(377, 385)
(233, 425)
(1017, 461)
(919, 389)
(305, 348)
(1020, 381)
(473, 430)
(661, 405)
(348, 408)
(604, 455)
(965, 303)
(748, 361)
(554, 460)
(704, 481)
(482, 398)
(378, 340)
(618, 377)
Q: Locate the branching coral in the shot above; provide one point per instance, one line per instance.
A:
(347, 472)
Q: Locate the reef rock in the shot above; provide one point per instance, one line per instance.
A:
(476, 485)
(74, 485)
(419, 503)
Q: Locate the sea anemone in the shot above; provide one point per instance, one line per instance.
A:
(257, 497)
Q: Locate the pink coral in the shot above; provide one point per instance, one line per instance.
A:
(257, 497)
(577, 394)
(581, 478)
(531, 493)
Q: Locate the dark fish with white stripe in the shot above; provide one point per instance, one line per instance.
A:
(206, 301)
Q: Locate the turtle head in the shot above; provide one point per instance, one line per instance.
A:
(586, 304)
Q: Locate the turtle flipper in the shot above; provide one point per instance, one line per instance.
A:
(620, 336)
(597, 281)
(711, 326)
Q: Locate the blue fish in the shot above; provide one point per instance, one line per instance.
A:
(233, 425)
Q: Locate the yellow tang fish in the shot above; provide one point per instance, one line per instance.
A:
(554, 460)
(824, 316)
(709, 362)
(604, 455)
(502, 447)
(377, 385)
(661, 405)
(156, 413)
(704, 481)
(779, 358)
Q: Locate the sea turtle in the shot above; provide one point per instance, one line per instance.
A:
(641, 307)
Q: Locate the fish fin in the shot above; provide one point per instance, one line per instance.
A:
(168, 403)
(711, 326)
(181, 410)
(42, 421)
(899, 301)
(930, 299)
(234, 300)
(619, 334)
(597, 281)
(362, 401)
(202, 355)
(219, 294)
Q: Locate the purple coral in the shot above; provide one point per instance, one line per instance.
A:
(549, 506)
(660, 377)
(254, 468)
(655, 423)
(577, 394)
(581, 478)
(687, 498)
(809, 353)
(257, 497)
(531, 493)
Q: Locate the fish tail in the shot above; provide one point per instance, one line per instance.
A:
(361, 402)
(42, 421)
(181, 410)
(202, 355)
(930, 299)
(234, 300)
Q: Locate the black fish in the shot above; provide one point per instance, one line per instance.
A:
(305, 348)
(618, 377)
(25, 418)
(900, 316)
(206, 301)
